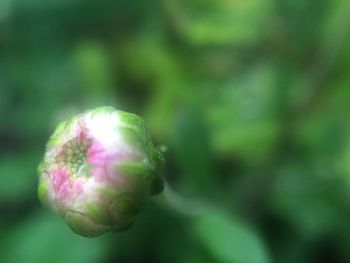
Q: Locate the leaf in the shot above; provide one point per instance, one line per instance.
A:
(220, 22)
(193, 153)
(229, 240)
(44, 238)
(92, 66)
(243, 114)
(18, 175)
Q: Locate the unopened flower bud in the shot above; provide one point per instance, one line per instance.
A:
(99, 170)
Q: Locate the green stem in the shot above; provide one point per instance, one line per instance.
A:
(184, 206)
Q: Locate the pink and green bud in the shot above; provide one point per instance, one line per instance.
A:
(99, 170)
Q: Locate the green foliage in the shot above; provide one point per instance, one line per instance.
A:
(250, 99)
(229, 240)
(23, 177)
(40, 239)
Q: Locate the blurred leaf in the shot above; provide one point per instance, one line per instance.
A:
(45, 238)
(18, 176)
(220, 22)
(307, 200)
(168, 79)
(193, 153)
(93, 67)
(5, 8)
(228, 239)
(243, 113)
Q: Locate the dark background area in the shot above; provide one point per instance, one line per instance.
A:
(251, 99)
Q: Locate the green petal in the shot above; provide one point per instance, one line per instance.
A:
(82, 225)
(135, 138)
(132, 120)
(125, 209)
(98, 213)
(42, 194)
(136, 169)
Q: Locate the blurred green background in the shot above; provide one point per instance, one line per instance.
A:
(251, 98)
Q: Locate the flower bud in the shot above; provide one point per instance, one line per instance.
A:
(99, 170)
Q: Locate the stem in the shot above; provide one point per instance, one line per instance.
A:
(185, 206)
